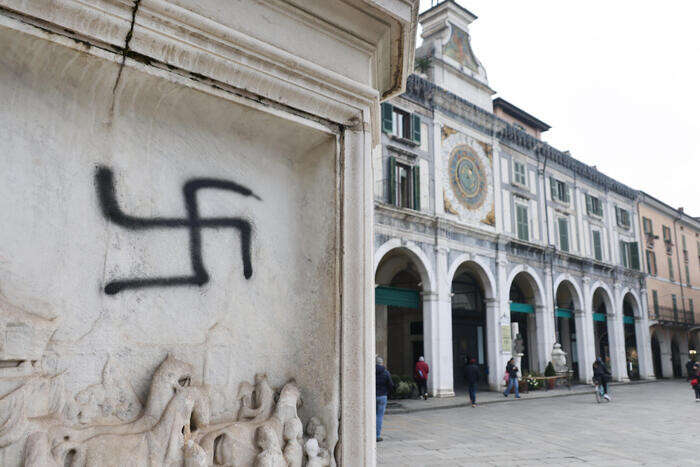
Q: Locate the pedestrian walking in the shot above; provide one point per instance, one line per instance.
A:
(472, 376)
(384, 387)
(511, 378)
(420, 376)
(695, 382)
(601, 375)
(689, 369)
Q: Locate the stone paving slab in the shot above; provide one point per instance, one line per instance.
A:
(461, 398)
(646, 424)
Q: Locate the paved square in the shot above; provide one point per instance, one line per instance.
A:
(646, 424)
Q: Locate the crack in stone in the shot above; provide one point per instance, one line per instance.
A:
(127, 40)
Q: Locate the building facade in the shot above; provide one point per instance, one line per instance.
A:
(490, 243)
(671, 244)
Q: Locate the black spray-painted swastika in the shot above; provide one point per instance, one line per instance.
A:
(110, 208)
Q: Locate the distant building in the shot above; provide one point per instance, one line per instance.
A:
(487, 237)
(672, 261)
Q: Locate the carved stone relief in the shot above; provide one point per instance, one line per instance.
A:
(105, 424)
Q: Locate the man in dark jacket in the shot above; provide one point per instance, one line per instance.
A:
(689, 370)
(384, 387)
(601, 375)
(471, 374)
(512, 372)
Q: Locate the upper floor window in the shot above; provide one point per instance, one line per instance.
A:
(404, 185)
(563, 233)
(519, 173)
(629, 255)
(597, 245)
(670, 269)
(655, 301)
(623, 217)
(594, 206)
(647, 226)
(560, 191)
(685, 249)
(667, 234)
(521, 222)
(651, 263)
(401, 123)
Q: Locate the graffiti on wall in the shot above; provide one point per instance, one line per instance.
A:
(106, 192)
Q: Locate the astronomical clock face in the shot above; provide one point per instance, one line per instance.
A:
(467, 175)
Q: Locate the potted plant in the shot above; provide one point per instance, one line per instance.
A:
(549, 371)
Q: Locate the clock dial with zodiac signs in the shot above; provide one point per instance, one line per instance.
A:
(467, 176)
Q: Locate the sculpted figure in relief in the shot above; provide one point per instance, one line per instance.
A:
(173, 429)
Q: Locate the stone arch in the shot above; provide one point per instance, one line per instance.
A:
(569, 281)
(532, 277)
(479, 267)
(637, 302)
(607, 296)
(414, 252)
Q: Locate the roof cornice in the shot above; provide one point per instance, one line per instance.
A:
(426, 93)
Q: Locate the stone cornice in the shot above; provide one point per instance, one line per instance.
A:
(427, 93)
(228, 50)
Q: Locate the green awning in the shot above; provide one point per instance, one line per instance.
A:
(394, 296)
(521, 307)
(563, 313)
(599, 317)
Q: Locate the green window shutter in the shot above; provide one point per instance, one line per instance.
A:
(522, 223)
(589, 204)
(597, 250)
(617, 215)
(566, 193)
(634, 255)
(387, 111)
(690, 305)
(623, 255)
(655, 300)
(675, 305)
(392, 180)
(670, 268)
(564, 234)
(553, 187)
(651, 227)
(650, 266)
(687, 275)
(415, 128)
(416, 188)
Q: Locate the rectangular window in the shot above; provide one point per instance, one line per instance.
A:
(685, 249)
(404, 185)
(564, 233)
(560, 191)
(675, 304)
(519, 173)
(623, 217)
(594, 206)
(670, 268)
(651, 262)
(667, 234)
(521, 219)
(690, 306)
(687, 275)
(655, 300)
(647, 226)
(597, 246)
(400, 123)
(629, 255)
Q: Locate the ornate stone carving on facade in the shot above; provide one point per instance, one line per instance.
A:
(490, 218)
(174, 427)
(447, 132)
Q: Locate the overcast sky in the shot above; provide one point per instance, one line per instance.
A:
(618, 82)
